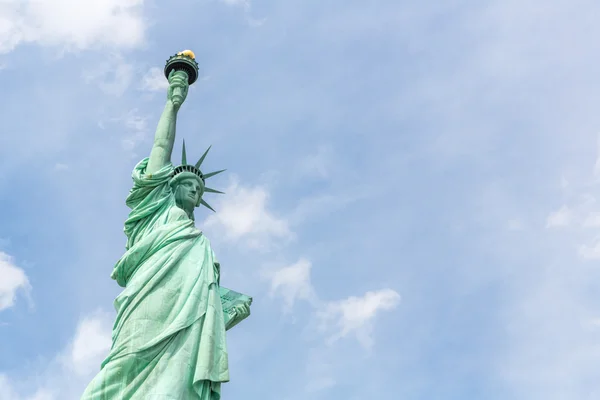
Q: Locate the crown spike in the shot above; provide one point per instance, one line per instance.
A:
(183, 155)
(201, 160)
(205, 204)
(211, 190)
(206, 176)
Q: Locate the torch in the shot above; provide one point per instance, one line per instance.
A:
(183, 62)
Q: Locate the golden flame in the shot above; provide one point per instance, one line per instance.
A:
(188, 53)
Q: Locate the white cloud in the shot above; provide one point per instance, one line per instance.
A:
(242, 214)
(559, 218)
(90, 345)
(590, 252)
(592, 220)
(68, 373)
(43, 394)
(319, 382)
(137, 126)
(553, 347)
(154, 80)
(292, 283)
(319, 163)
(71, 24)
(135, 122)
(355, 315)
(13, 279)
(247, 6)
(136, 129)
(6, 390)
(113, 75)
(319, 371)
(591, 324)
(338, 319)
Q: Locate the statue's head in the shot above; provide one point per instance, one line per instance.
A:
(188, 184)
(188, 189)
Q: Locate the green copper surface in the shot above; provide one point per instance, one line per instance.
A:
(168, 340)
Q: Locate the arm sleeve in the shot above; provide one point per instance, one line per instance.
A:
(148, 198)
(145, 184)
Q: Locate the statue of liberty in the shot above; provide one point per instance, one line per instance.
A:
(168, 340)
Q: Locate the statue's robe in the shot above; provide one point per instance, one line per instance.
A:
(168, 341)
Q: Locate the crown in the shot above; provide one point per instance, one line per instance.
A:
(195, 169)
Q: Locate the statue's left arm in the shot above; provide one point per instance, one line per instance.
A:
(164, 138)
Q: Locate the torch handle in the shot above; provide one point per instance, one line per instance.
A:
(178, 91)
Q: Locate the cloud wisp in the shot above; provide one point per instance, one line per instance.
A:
(13, 281)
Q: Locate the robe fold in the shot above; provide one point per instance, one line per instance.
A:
(168, 340)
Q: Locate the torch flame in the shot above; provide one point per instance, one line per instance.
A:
(188, 53)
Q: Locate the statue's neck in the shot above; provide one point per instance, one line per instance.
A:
(189, 213)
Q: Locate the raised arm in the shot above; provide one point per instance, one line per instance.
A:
(164, 138)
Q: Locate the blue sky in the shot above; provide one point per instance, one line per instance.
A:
(411, 189)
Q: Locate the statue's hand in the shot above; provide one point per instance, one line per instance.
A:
(242, 311)
(178, 88)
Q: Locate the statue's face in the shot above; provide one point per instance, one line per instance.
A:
(188, 193)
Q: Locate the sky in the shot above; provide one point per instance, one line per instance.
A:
(412, 189)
